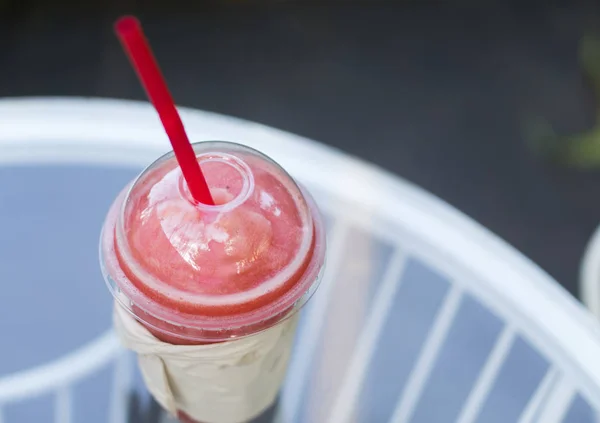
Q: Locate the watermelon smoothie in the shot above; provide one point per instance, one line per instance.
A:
(195, 274)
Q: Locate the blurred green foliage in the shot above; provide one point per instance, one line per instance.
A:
(580, 150)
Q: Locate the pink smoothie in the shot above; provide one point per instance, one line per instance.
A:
(193, 273)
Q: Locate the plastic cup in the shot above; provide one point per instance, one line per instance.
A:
(193, 273)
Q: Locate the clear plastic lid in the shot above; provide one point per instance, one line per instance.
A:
(252, 256)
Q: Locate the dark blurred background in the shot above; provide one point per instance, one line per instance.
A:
(438, 94)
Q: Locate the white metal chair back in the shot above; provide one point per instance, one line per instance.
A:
(589, 275)
(59, 379)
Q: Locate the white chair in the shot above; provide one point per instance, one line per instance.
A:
(423, 315)
(589, 274)
(58, 378)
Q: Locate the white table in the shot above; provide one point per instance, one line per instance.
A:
(423, 314)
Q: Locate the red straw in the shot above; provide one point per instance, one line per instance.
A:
(136, 46)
